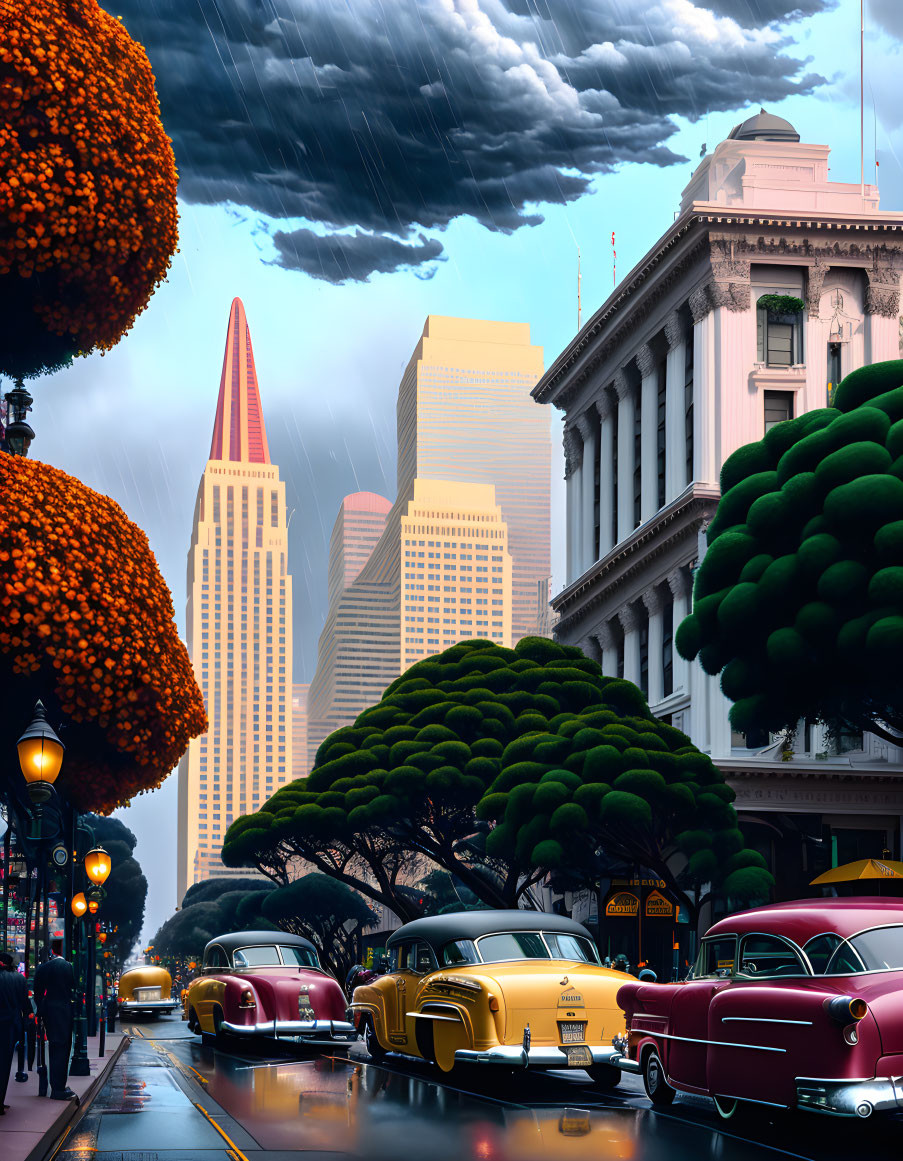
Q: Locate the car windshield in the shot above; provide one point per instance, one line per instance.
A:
(880, 949)
(514, 945)
(298, 956)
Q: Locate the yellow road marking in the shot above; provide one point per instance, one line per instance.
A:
(222, 1132)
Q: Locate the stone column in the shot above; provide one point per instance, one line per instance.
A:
(680, 583)
(606, 473)
(588, 426)
(608, 646)
(573, 450)
(626, 457)
(631, 618)
(654, 602)
(882, 308)
(705, 467)
(646, 362)
(675, 412)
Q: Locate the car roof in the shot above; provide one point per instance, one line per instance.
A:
(238, 939)
(437, 930)
(801, 919)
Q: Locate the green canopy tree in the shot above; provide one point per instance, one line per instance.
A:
(456, 736)
(798, 601)
(210, 909)
(324, 911)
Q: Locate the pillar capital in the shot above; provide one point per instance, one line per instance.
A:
(882, 295)
(680, 582)
(585, 426)
(605, 635)
(674, 330)
(645, 360)
(700, 303)
(631, 618)
(573, 451)
(623, 385)
(653, 599)
(604, 404)
(815, 277)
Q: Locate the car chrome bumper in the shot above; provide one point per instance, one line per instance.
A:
(850, 1098)
(148, 1006)
(541, 1056)
(311, 1031)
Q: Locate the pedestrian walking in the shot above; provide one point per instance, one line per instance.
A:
(14, 1008)
(53, 986)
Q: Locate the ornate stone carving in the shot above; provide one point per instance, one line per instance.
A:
(623, 385)
(815, 277)
(680, 582)
(653, 599)
(573, 452)
(604, 403)
(700, 303)
(645, 360)
(674, 330)
(882, 295)
(730, 275)
(585, 426)
(631, 617)
(606, 637)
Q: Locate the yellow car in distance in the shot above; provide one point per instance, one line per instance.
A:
(146, 991)
(520, 989)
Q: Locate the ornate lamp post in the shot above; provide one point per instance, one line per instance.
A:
(18, 434)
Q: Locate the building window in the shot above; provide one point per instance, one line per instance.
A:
(778, 407)
(668, 648)
(644, 656)
(614, 462)
(637, 464)
(660, 448)
(779, 330)
(834, 371)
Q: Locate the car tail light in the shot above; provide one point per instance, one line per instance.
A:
(247, 999)
(493, 1003)
(846, 1008)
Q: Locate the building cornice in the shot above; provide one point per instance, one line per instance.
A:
(683, 246)
(687, 514)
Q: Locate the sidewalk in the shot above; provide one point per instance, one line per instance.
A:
(33, 1124)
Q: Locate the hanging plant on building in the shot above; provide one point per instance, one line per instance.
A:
(86, 624)
(780, 304)
(798, 601)
(88, 217)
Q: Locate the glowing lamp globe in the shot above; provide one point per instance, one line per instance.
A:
(79, 905)
(40, 755)
(102, 937)
(98, 865)
(93, 906)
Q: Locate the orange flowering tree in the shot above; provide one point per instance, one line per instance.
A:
(88, 218)
(86, 624)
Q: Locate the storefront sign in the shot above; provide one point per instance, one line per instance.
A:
(658, 907)
(639, 883)
(624, 904)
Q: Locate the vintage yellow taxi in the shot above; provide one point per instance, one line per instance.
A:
(146, 991)
(521, 989)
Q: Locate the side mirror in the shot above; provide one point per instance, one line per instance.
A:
(647, 976)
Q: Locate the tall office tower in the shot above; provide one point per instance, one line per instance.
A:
(465, 413)
(300, 768)
(239, 622)
(349, 663)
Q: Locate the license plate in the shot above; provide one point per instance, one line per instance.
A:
(572, 1031)
(579, 1056)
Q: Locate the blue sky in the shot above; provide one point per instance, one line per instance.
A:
(136, 423)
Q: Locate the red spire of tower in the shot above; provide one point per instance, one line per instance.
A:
(238, 430)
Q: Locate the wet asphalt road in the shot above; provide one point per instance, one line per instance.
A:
(170, 1098)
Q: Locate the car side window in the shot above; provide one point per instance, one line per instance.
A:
(767, 956)
(424, 960)
(215, 958)
(716, 958)
(406, 958)
(820, 949)
(459, 951)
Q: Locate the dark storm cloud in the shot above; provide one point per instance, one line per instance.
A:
(343, 257)
(755, 13)
(401, 116)
(888, 14)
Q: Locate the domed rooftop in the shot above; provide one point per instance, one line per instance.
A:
(764, 127)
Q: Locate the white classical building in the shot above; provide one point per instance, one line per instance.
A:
(679, 367)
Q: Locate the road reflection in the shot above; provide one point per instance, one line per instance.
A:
(365, 1111)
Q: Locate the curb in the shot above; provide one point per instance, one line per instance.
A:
(70, 1114)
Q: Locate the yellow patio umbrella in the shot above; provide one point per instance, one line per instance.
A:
(860, 869)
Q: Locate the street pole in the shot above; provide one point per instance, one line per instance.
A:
(79, 1065)
(6, 854)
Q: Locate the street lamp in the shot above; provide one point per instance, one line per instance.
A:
(98, 866)
(79, 905)
(40, 756)
(18, 434)
(93, 906)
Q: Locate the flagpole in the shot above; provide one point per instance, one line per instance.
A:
(862, 99)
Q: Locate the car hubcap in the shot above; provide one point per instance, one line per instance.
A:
(655, 1076)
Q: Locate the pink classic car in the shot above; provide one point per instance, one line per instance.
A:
(797, 1005)
(268, 984)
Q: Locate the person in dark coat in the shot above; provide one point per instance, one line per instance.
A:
(54, 982)
(14, 1008)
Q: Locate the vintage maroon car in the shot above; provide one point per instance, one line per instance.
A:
(268, 984)
(797, 1005)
